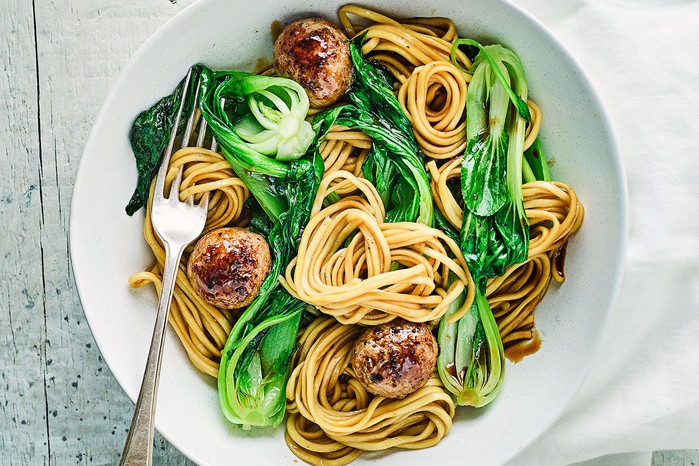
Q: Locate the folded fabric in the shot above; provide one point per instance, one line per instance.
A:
(643, 391)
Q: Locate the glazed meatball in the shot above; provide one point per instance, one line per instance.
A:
(315, 53)
(394, 359)
(228, 265)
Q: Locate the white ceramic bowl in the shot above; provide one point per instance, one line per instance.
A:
(107, 245)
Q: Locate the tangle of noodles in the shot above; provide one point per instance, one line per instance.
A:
(359, 270)
(400, 47)
(332, 417)
(513, 297)
(554, 214)
(346, 261)
(201, 327)
(434, 99)
(344, 149)
(343, 266)
(432, 90)
(445, 181)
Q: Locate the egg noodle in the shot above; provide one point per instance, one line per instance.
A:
(554, 214)
(355, 269)
(201, 327)
(333, 419)
(357, 282)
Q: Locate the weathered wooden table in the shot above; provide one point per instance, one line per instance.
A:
(59, 403)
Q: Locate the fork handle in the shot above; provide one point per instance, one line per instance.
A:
(138, 449)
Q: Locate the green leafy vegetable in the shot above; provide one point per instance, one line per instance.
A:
(495, 230)
(259, 113)
(484, 167)
(255, 361)
(471, 356)
(254, 371)
(277, 105)
(264, 121)
(149, 137)
(373, 92)
(499, 238)
(394, 165)
(275, 125)
(535, 164)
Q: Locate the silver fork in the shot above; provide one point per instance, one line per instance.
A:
(177, 224)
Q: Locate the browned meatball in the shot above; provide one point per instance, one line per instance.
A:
(394, 359)
(228, 265)
(315, 53)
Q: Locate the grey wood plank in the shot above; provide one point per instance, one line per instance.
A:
(22, 307)
(81, 46)
(676, 458)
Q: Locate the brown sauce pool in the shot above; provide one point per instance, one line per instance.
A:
(520, 350)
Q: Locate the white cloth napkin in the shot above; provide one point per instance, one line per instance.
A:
(643, 391)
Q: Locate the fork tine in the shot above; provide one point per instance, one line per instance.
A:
(204, 201)
(202, 133)
(175, 186)
(214, 145)
(191, 121)
(165, 162)
(202, 136)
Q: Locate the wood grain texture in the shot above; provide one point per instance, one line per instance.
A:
(22, 306)
(59, 403)
(676, 458)
(81, 47)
